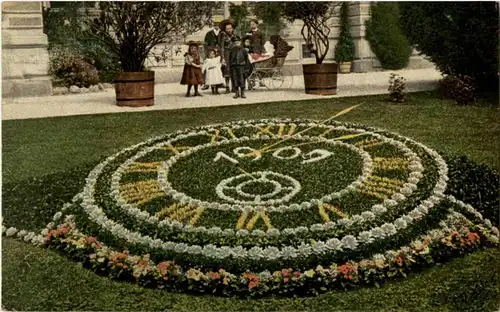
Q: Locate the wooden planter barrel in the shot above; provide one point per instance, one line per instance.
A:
(135, 88)
(320, 78)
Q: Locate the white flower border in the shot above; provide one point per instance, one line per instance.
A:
(262, 177)
(377, 209)
(243, 206)
(268, 253)
(96, 214)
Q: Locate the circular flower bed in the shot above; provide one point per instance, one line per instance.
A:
(268, 206)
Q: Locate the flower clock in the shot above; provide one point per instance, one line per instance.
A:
(268, 206)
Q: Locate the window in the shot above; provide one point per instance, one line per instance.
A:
(305, 52)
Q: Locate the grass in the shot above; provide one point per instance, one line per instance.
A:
(37, 147)
(51, 282)
(46, 160)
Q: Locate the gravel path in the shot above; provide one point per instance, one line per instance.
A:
(171, 96)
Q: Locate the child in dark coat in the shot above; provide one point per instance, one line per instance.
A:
(239, 64)
(247, 44)
(192, 74)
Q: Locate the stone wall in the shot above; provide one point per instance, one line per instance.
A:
(364, 61)
(25, 59)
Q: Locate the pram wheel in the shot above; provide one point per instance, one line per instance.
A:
(281, 78)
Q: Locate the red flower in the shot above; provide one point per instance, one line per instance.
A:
(64, 230)
(286, 272)
(346, 269)
(399, 261)
(90, 239)
(253, 284)
(162, 267)
(296, 274)
(251, 277)
(286, 280)
(117, 257)
(214, 275)
(473, 237)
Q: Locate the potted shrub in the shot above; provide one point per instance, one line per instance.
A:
(344, 50)
(133, 29)
(319, 78)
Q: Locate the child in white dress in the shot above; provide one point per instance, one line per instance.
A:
(212, 66)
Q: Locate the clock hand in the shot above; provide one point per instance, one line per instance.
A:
(344, 137)
(245, 172)
(264, 148)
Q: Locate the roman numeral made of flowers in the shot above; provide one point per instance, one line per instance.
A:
(325, 209)
(247, 220)
(380, 187)
(144, 166)
(266, 147)
(141, 192)
(392, 163)
(175, 149)
(282, 130)
(181, 212)
(221, 134)
(364, 144)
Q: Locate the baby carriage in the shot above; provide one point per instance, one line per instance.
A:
(269, 72)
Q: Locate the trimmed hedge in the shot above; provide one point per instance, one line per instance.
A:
(344, 50)
(386, 39)
(461, 38)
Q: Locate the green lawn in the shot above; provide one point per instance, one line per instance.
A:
(46, 160)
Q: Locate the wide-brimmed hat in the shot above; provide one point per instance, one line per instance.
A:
(236, 38)
(195, 43)
(246, 37)
(256, 21)
(225, 22)
(217, 20)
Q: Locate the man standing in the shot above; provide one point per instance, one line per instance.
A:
(212, 40)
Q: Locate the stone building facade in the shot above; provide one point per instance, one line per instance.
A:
(25, 58)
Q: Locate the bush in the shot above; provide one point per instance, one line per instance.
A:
(385, 37)
(344, 50)
(461, 89)
(69, 41)
(475, 184)
(68, 68)
(397, 88)
(461, 38)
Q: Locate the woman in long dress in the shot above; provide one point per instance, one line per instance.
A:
(225, 45)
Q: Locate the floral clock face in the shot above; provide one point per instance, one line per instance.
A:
(264, 195)
(217, 178)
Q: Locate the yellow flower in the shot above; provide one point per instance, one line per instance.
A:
(309, 273)
(194, 274)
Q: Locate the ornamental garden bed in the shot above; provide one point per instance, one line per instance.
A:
(275, 206)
